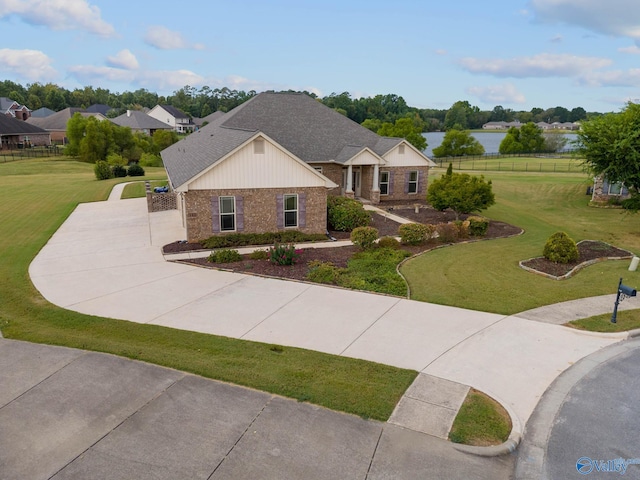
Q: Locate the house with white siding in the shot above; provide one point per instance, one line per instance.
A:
(174, 117)
(269, 164)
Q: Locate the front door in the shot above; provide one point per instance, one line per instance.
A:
(356, 182)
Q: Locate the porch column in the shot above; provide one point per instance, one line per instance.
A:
(349, 180)
(376, 178)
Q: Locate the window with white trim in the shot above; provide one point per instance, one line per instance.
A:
(227, 214)
(384, 183)
(290, 211)
(318, 169)
(413, 181)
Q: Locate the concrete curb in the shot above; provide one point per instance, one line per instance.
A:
(509, 446)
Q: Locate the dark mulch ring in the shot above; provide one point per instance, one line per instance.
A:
(588, 250)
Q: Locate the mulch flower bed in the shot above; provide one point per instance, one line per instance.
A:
(589, 251)
(339, 256)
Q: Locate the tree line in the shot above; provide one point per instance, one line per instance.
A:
(200, 102)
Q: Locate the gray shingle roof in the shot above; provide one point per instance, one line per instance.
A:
(302, 125)
(5, 103)
(57, 121)
(42, 112)
(13, 126)
(175, 112)
(137, 120)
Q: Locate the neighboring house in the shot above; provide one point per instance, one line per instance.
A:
(140, 122)
(15, 133)
(269, 164)
(42, 112)
(14, 109)
(99, 108)
(56, 124)
(605, 191)
(543, 125)
(565, 126)
(199, 122)
(501, 125)
(177, 119)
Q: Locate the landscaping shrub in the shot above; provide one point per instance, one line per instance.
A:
(413, 233)
(283, 254)
(463, 228)
(560, 248)
(268, 238)
(389, 242)
(478, 226)
(225, 256)
(375, 271)
(150, 160)
(345, 214)
(136, 170)
(364, 237)
(259, 255)
(119, 171)
(114, 159)
(323, 272)
(447, 232)
(102, 170)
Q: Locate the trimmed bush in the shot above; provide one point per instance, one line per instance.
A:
(447, 232)
(136, 170)
(345, 214)
(413, 233)
(268, 238)
(463, 228)
(478, 226)
(225, 256)
(102, 170)
(389, 242)
(560, 248)
(323, 272)
(259, 255)
(119, 171)
(283, 254)
(364, 237)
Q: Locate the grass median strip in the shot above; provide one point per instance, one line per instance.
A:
(626, 320)
(481, 421)
(38, 195)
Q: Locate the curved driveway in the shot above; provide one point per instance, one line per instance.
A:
(106, 251)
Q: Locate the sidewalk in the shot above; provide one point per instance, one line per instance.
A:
(107, 249)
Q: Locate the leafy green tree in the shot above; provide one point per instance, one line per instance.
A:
(405, 128)
(555, 141)
(372, 124)
(163, 139)
(76, 127)
(457, 115)
(460, 192)
(526, 139)
(457, 143)
(610, 145)
(94, 146)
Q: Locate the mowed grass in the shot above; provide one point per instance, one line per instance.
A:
(481, 421)
(138, 189)
(486, 276)
(546, 164)
(625, 320)
(37, 197)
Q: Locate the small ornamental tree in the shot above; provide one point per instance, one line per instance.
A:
(364, 237)
(461, 192)
(458, 143)
(560, 248)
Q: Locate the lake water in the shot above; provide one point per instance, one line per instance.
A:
(489, 140)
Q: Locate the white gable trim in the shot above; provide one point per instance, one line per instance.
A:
(426, 159)
(358, 159)
(327, 183)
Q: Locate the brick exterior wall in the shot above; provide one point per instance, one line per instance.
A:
(333, 172)
(259, 210)
(399, 174)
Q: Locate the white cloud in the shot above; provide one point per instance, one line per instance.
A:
(59, 15)
(614, 17)
(541, 65)
(498, 94)
(633, 50)
(165, 39)
(123, 59)
(32, 65)
(613, 78)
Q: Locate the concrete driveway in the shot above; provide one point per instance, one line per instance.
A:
(106, 251)
(70, 414)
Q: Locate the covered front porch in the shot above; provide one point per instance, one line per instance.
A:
(361, 176)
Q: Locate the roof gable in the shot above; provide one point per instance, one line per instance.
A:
(13, 126)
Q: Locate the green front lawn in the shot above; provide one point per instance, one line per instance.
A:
(38, 195)
(625, 320)
(486, 276)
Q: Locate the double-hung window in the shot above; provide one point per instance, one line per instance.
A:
(290, 211)
(413, 182)
(227, 214)
(384, 183)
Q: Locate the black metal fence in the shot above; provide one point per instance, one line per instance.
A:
(487, 162)
(36, 152)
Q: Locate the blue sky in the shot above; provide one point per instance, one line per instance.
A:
(516, 53)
